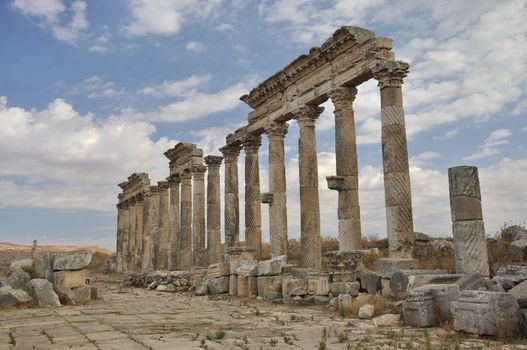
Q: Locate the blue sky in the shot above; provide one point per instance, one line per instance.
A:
(91, 91)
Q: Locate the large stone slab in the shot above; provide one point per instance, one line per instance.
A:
(218, 285)
(218, 270)
(71, 262)
(245, 264)
(338, 288)
(70, 279)
(297, 287)
(318, 284)
(41, 291)
(272, 267)
(419, 310)
(17, 278)
(370, 281)
(385, 267)
(65, 294)
(82, 295)
(473, 281)
(197, 277)
(510, 276)
(10, 296)
(270, 287)
(404, 280)
(444, 295)
(520, 293)
(486, 313)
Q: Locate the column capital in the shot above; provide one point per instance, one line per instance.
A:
(198, 170)
(162, 185)
(343, 96)
(173, 180)
(154, 190)
(252, 142)
(231, 152)
(276, 129)
(185, 176)
(213, 161)
(390, 73)
(307, 114)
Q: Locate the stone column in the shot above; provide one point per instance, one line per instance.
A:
(347, 180)
(310, 241)
(397, 192)
(213, 209)
(131, 236)
(138, 251)
(232, 201)
(126, 235)
(253, 211)
(470, 246)
(145, 257)
(199, 257)
(163, 225)
(173, 218)
(119, 245)
(277, 197)
(185, 230)
(153, 228)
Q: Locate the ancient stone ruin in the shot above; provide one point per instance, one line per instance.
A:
(168, 234)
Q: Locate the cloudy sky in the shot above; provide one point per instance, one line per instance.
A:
(91, 91)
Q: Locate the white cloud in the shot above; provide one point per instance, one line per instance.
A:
(73, 161)
(195, 46)
(492, 145)
(165, 17)
(448, 135)
(423, 158)
(177, 88)
(98, 49)
(47, 14)
(95, 87)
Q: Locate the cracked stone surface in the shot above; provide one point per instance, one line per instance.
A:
(145, 319)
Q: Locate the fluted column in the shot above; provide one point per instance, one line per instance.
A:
(397, 191)
(253, 212)
(131, 236)
(185, 230)
(153, 228)
(310, 241)
(347, 180)
(213, 209)
(276, 132)
(173, 218)
(199, 257)
(163, 225)
(138, 251)
(120, 233)
(145, 256)
(232, 201)
(126, 235)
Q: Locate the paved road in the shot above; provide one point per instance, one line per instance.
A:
(143, 319)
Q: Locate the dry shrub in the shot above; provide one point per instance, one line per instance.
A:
(498, 248)
(329, 244)
(381, 305)
(266, 251)
(368, 260)
(98, 258)
(438, 260)
(293, 252)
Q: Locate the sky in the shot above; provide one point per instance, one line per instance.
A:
(92, 91)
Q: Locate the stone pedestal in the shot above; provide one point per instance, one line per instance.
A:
(199, 256)
(185, 230)
(277, 198)
(470, 246)
(253, 215)
(174, 221)
(213, 209)
(397, 189)
(232, 200)
(310, 241)
(347, 180)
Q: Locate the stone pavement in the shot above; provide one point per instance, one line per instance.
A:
(144, 319)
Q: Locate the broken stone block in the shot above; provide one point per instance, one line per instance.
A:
(370, 281)
(270, 287)
(344, 302)
(82, 294)
(300, 272)
(419, 310)
(10, 296)
(366, 312)
(218, 270)
(273, 266)
(486, 313)
(317, 299)
(177, 275)
(318, 284)
(385, 267)
(473, 281)
(197, 277)
(70, 279)
(41, 291)
(343, 276)
(162, 288)
(249, 265)
(171, 288)
(403, 281)
(444, 295)
(71, 262)
(400, 279)
(510, 276)
(343, 261)
(297, 287)
(17, 278)
(218, 285)
(248, 270)
(351, 288)
(520, 293)
(65, 294)
(387, 320)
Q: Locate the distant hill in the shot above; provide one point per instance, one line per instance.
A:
(12, 247)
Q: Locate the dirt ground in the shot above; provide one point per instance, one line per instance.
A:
(143, 319)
